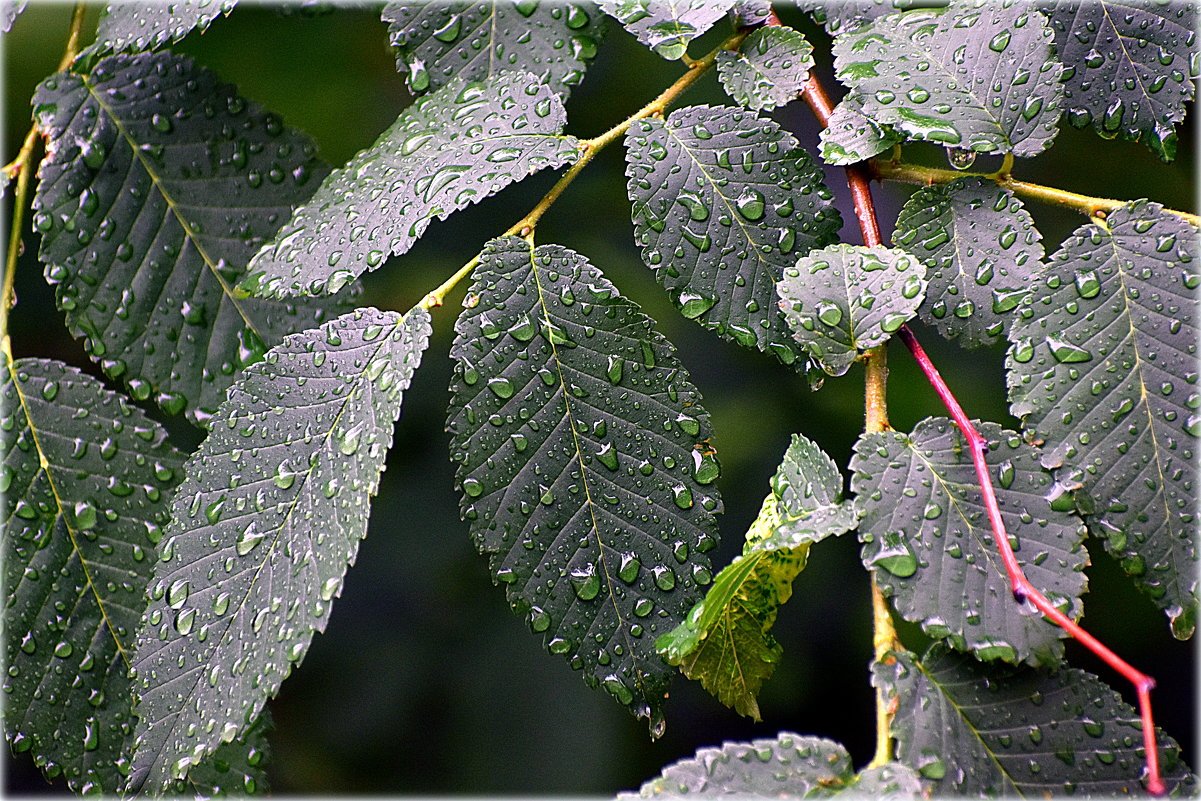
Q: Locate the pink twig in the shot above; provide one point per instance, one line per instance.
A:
(865, 212)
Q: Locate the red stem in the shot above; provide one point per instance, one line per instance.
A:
(865, 212)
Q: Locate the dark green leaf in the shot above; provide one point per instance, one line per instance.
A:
(726, 642)
(271, 514)
(1130, 66)
(846, 299)
(983, 254)
(86, 481)
(235, 768)
(160, 185)
(667, 26)
(438, 41)
(583, 457)
(927, 536)
(988, 730)
(768, 70)
(976, 78)
(851, 136)
(1102, 367)
(723, 201)
(840, 16)
(448, 150)
(135, 26)
(788, 766)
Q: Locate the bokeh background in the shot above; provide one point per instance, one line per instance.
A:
(424, 682)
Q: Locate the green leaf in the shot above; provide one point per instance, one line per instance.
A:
(448, 150)
(128, 27)
(584, 462)
(983, 254)
(271, 514)
(987, 730)
(86, 481)
(788, 766)
(438, 41)
(726, 642)
(1130, 66)
(667, 26)
(839, 16)
(851, 136)
(159, 186)
(1102, 368)
(920, 71)
(723, 201)
(768, 70)
(846, 299)
(927, 537)
(236, 768)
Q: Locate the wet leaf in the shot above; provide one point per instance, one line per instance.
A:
(9, 12)
(1130, 66)
(839, 16)
(723, 201)
(845, 299)
(129, 27)
(991, 730)
(236, 768)
(1102, 366)
(983, 254)
(788, 766)
(927, 537)
(851, 136)
(448, 150)
(726, 643)
(438, 41)
(160, 185)
(86, 481)
(271, 514)
(768, 70)
(981, 78)
(584, 460)
(667, 26)
(747, 13)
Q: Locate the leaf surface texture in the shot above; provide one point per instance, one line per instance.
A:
(1102, 367)
(667, 26)
(135, 26)
(584, 460)
(87, 481)
(723, 201)
(927, 537)
(452, 148)
(270, 516)
(768, 70)
(851, 136)
(160, 185)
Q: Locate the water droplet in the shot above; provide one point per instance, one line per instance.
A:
(249, 539)
(1066, 352)
(750, 204)
(472, 487)
(607, 456)
(829, 313)
(960, 159)
(63, 649)
(693, 305)
(894, 555)
(630, 565)
(501, 387)
(450, 31)
(585, 582)
(177, 594)
(1087, 283)
(665, 577)
(85, 516)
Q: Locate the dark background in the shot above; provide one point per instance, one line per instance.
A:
(424, 682)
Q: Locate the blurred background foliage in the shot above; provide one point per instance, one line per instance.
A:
(424, 682)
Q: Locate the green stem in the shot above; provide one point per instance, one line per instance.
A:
(588, 150)
(1086, 204)
(21, 167)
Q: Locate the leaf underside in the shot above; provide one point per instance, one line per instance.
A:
(723, 201)
(845, 299)
(850, 136)
(1130, 66)
(788, 766)
(135, 26)
(448, 150)
(159, 186)
(983, 79)
(987, 730)
(932, 547)
(726, 642)
(840, 16)
(269, 517)
(1102, 368)
(584, 462)
(438, 41)
(87, 479)
(667, 26)
(768, 70)
(982, 252)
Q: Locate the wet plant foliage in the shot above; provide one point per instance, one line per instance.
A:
(208, 262)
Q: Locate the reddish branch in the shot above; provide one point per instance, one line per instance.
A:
(865, 212)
